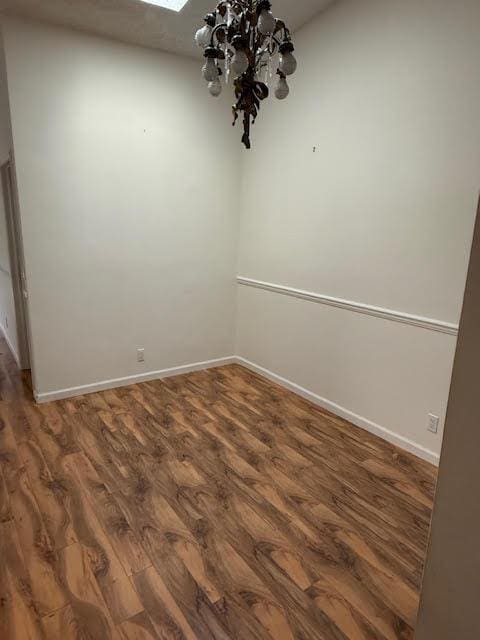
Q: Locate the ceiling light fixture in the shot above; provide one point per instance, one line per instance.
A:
(244, 38)
(173, 5)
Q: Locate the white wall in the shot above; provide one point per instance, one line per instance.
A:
(451, 584)
(8, 321)
(388, 91)
(127, 171)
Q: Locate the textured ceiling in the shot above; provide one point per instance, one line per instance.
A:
(141, 23)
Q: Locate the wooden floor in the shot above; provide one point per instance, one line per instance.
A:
(212, 505)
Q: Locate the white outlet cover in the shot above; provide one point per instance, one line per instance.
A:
(433, 423)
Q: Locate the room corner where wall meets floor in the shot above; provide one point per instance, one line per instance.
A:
(342, 412)
(359, 421)
(125, 251)
(357, 214)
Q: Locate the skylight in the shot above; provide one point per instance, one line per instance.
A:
(173, 5)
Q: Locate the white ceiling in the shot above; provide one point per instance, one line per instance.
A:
(141, 23)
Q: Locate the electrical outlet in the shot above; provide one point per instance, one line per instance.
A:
(433, 423)
(141, 355)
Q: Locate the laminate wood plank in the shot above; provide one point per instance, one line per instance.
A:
(179, 582)
(346, 618)
(33, 416)
(109, 419)
(9, 459)
(163, 410)
(397, 561)
(63, 625)
(41, 559)
(103, 450)
(346, 584)
(169, 527)
(88, 615)
(114, 402)
(8, 389)
(273, 541)
(387, 511)
(55, 437)
(124, 542)
(120, 596)
(400, 481)
(98, 401)
(138, 628)
(37, 547)
(50, 494)
(19, 617)
(257, 597)
(357, 512)
(167, 616)
(5, 511)
(18, 416)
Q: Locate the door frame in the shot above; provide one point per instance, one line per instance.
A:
(17, 260)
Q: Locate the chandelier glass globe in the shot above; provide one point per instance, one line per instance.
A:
(215, 88)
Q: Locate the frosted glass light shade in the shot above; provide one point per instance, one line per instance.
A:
(203, 36)
(282, 89)
(288, 63)
(215, 88)
(266, 22)
(239, 63)
(210, 70)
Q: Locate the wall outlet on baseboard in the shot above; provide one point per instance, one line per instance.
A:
(433, 423)
(141, 355)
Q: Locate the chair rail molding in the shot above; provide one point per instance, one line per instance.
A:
(356, 307)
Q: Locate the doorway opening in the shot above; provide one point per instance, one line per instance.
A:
(17, 264)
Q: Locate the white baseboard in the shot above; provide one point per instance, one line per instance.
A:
(359, 421)
(103, 385)
(10, 346)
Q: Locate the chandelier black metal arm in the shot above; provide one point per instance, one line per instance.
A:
(247, 38)
(217, 28)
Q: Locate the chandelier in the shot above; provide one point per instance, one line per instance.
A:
(242, 39)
